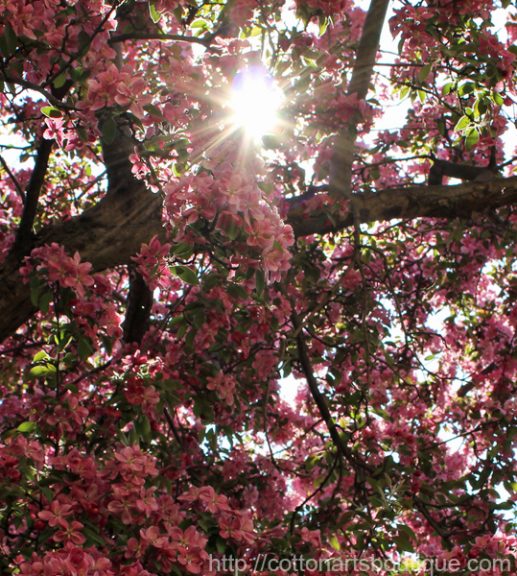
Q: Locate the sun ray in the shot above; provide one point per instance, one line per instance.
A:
(255, 101)
(245, 112)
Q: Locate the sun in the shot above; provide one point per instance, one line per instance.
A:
(255, 101)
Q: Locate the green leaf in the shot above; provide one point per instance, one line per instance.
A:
(199, 23)
(408, 531)
(334, 542)
(60, 80)
(40, 356)
(47, 492)
(237, 292)
(462, 123)
(480, 107)
(186, 274)
(232, 230)
(403, 542)
(44, 301)
(92, 536)
(84, 348)
(220, 545)
(466, 88)
(153, 12)
(178, 13)
(41, 296)
(153, 110)
(8, 41)
(78, 73)
(143, 428)
(27, 427)
(42, 370)
(471, 138)
(424, 71)
(183, 250)
(51, 112)
(497, 98)
(42, 365)
(36, 288)
(404, 91)
(310, 62)
(324, 24)
(84, 41)
(447, 87)
(203, 408)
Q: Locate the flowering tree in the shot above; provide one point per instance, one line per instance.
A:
(168, 275)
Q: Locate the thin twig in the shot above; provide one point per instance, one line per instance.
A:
(318, 397)
(170, 422)
(147, 36)
(56, 102)
(13, 178)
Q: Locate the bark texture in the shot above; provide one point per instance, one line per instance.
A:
(108, 234)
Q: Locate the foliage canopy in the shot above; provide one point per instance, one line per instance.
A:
(224, 342)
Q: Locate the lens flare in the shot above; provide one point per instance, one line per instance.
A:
(255, 102)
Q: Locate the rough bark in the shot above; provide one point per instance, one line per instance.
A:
(139, 304)
(111, 232)
(343, 156)
(107, 235)
(460, 201)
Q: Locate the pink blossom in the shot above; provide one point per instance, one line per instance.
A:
(71, 533)
(56, 515)
(224, 386)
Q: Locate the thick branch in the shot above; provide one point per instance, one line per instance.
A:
(443, 168)
(150, 31)
(117, 151)
(460, 201)
(107, 235)
(341, 167)
(111, 232)
(139, 303)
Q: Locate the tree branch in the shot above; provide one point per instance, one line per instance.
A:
(108, 234)
(341, 165)
(147, 36)
(19, 189)
(303, 356)
(441, 168)
(117, 151)
(139, 303)
(30, 206)
(54, 100)
(461, 201)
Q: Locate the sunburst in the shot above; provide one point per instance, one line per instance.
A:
(254, 103)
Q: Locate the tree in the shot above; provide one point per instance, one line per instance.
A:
(167, 274)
